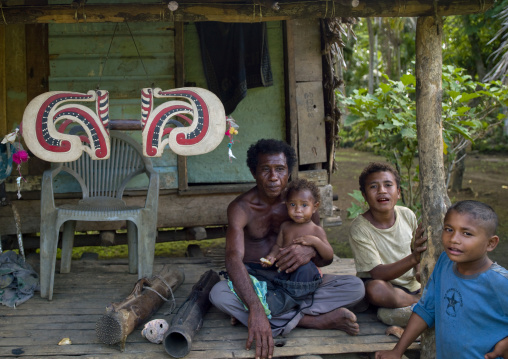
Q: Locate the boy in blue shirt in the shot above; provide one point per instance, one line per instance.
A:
(466, 297)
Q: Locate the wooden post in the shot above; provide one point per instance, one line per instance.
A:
(289, 70)
(430, 146)
(180, 82)
(15, 75)
(3, 90)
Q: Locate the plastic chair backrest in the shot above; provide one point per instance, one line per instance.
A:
(108, 178)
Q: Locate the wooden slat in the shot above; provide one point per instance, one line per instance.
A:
(311, 122)
(308, 63)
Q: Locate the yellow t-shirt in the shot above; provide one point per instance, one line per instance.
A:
(373, 246)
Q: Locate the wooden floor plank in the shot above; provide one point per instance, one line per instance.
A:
(80, 298)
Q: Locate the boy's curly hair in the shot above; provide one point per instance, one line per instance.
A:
(374, 167)
(479, 211)
(270, 146)
(303, 184)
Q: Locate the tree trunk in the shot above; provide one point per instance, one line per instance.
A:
(458, 172)
(371, 55)
(430, 146)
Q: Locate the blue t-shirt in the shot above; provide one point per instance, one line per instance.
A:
(470, 313)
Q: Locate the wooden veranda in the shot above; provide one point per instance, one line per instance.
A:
(34, 329)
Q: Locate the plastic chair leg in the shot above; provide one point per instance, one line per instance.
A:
(49, 241)
(67, 245)
(132, 242)
(147, 236)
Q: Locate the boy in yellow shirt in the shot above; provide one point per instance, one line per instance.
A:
(381, 240)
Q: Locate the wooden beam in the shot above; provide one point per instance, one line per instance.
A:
(429, 126)
(290, 88)
(180, 82)
(235, 12)
(37, 60)
(15, 75)
(3, 89)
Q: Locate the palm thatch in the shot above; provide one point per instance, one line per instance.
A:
(500, 69)
(334, 31)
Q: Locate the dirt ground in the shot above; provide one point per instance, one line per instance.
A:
(485, 179)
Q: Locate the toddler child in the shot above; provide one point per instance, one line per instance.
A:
(302, 201)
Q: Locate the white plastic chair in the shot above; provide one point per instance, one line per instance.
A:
(102, 183)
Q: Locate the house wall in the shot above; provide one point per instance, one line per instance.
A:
(75, 64)
(260, 115)
(121, 58)
(115, 56)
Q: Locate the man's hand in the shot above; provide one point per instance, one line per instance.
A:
(500, 350)
(294, 256)
(418, 247)
(261, 332)
(306, 240)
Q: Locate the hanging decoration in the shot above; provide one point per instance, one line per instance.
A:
(232, 131)
(190, 121)
(19, 155)
(56, 128)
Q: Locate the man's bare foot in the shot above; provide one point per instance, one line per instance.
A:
(341, 319)
(234, 321)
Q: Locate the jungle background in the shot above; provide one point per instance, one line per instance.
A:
(379, 116)
(375, 94)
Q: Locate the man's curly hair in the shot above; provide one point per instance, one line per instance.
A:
(374, 167)
(303, 184)
(270, 147)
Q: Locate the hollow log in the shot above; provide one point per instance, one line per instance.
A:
(145, 299)
(178, 338)
(228, 11)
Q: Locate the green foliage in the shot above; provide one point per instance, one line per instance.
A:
(386, 120)
(394, 50)
(389, 118)
(471, 39)
(358, 207)
(495, 142)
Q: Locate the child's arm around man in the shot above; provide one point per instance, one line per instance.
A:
(465, 298)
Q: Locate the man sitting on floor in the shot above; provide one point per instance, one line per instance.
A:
(254, 220)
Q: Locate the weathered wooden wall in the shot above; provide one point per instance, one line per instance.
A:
(261, 114)
(309, 92)
(73, 64)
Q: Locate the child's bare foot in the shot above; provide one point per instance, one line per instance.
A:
(234, 321)
(341, 319)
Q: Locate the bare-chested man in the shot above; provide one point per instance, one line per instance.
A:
(254, 220)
